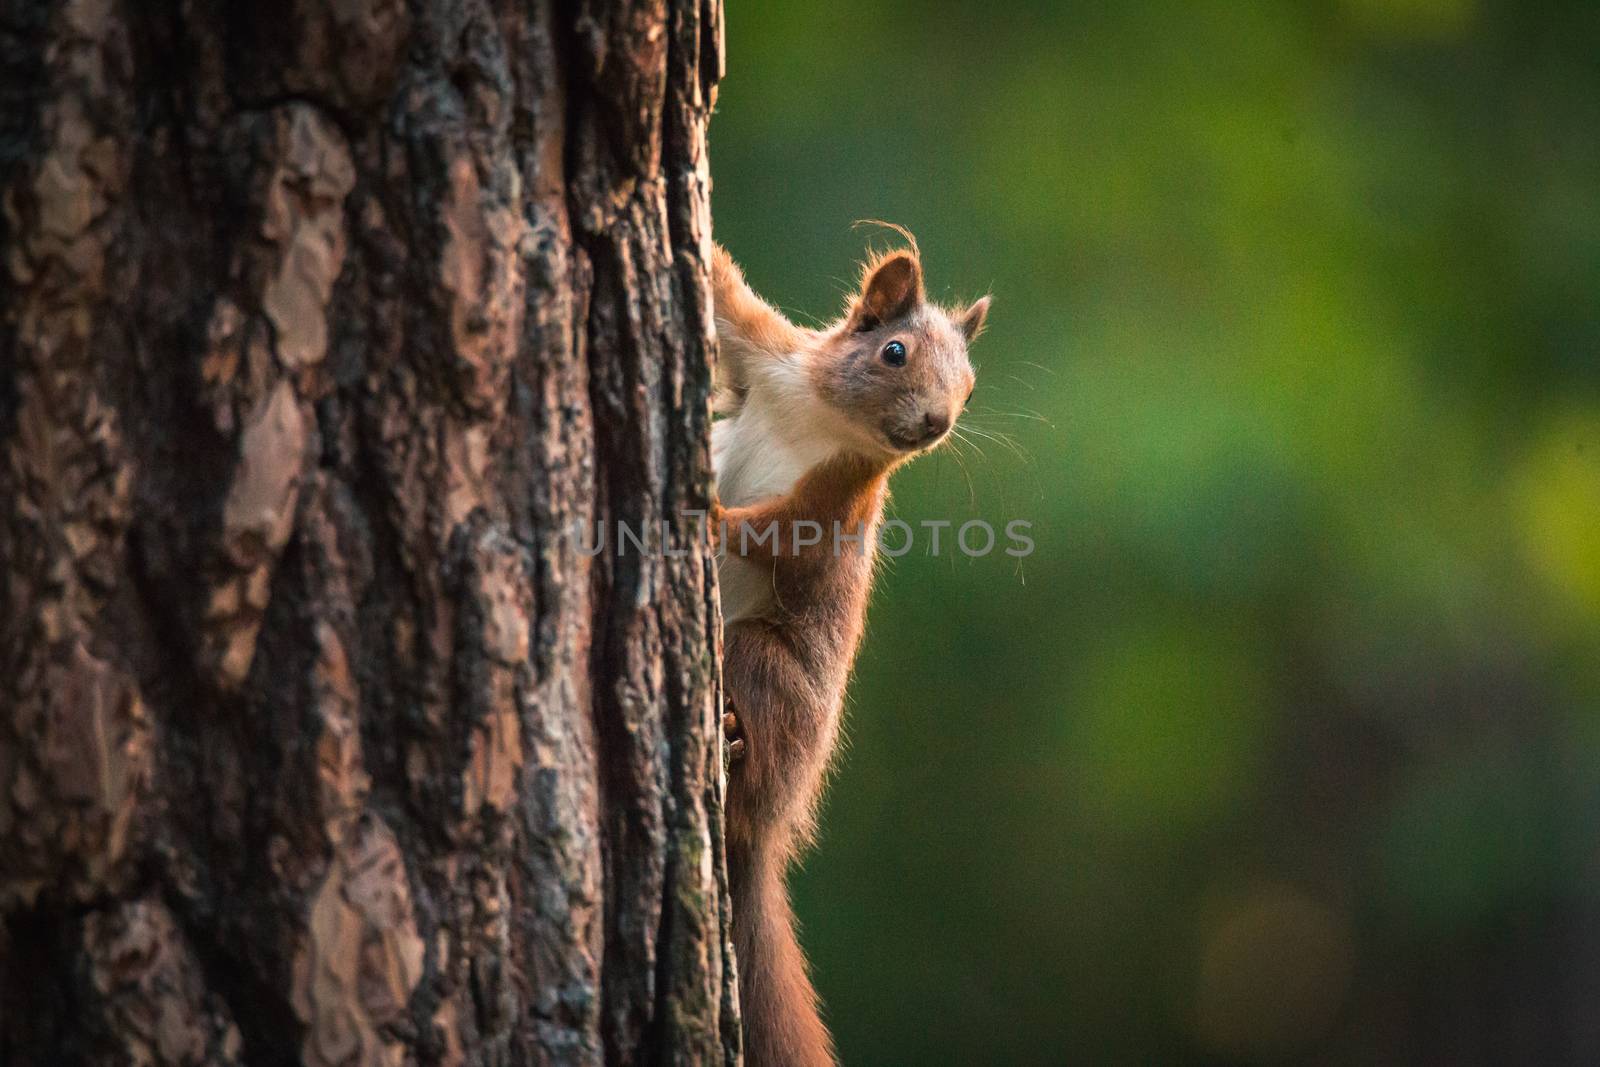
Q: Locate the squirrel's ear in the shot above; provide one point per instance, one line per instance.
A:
(893, 288)
(971, 320)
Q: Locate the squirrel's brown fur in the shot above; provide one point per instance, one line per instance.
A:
(818, 422)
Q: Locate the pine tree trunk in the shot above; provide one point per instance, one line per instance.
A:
(322, 739)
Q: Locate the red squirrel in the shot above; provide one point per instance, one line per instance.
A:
(816, 420)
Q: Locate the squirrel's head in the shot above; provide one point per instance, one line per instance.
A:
(896, 366)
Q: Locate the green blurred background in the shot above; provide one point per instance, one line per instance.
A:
(1284, 746)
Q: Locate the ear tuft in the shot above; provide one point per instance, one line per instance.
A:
(971, 320)
(892, 286)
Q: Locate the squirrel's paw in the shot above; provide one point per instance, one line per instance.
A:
(735, 736)
(717, 518)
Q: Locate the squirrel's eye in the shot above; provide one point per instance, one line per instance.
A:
(894, 354)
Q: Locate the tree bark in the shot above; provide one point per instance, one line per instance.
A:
(322, 739)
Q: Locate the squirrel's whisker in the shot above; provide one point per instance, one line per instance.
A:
(1035, 366)
(1006, 441)
(959, 434)
(955, 454)
(990, 413)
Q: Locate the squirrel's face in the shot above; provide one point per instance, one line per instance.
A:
(896, 367)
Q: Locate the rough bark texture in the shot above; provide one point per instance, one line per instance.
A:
(323, 322)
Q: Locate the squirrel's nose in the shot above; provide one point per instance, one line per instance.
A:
(934, 425)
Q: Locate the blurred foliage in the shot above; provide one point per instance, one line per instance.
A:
(1295, 367)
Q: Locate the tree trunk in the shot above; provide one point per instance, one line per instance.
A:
(322, 739)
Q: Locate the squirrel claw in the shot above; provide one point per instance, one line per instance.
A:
(735, 737)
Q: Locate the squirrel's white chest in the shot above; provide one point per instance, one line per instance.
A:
(757, 454)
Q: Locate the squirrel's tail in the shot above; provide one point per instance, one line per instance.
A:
(782, 1024)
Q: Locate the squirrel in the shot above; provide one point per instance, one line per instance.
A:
(815, 422)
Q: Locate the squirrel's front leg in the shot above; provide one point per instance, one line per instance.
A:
(838, 495)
